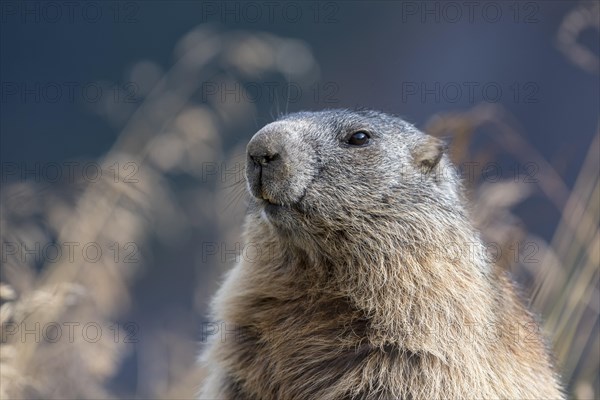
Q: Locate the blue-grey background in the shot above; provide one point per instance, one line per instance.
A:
(370, 52)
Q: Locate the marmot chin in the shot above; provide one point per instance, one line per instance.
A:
(353, 293)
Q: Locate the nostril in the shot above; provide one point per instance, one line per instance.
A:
(271, 157)
(264, 159)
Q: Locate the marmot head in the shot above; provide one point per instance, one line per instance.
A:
(355, 173)
(363, 205)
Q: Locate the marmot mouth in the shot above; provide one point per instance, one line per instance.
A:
(271, 207)
(266, 200)
(264, 196)
(274, 210)
(266, 203)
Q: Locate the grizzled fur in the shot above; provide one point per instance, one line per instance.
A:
(369, 281)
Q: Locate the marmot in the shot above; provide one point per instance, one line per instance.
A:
(369, 281)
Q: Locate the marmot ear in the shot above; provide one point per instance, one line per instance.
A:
(428, 153)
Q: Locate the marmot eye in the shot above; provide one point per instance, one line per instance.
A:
(359, 138)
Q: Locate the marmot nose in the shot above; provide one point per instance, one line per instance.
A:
(279, 164)
(265, 162)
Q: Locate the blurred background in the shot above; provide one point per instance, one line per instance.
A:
(123, 128)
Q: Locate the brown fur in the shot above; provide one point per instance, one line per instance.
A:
(357, 292)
